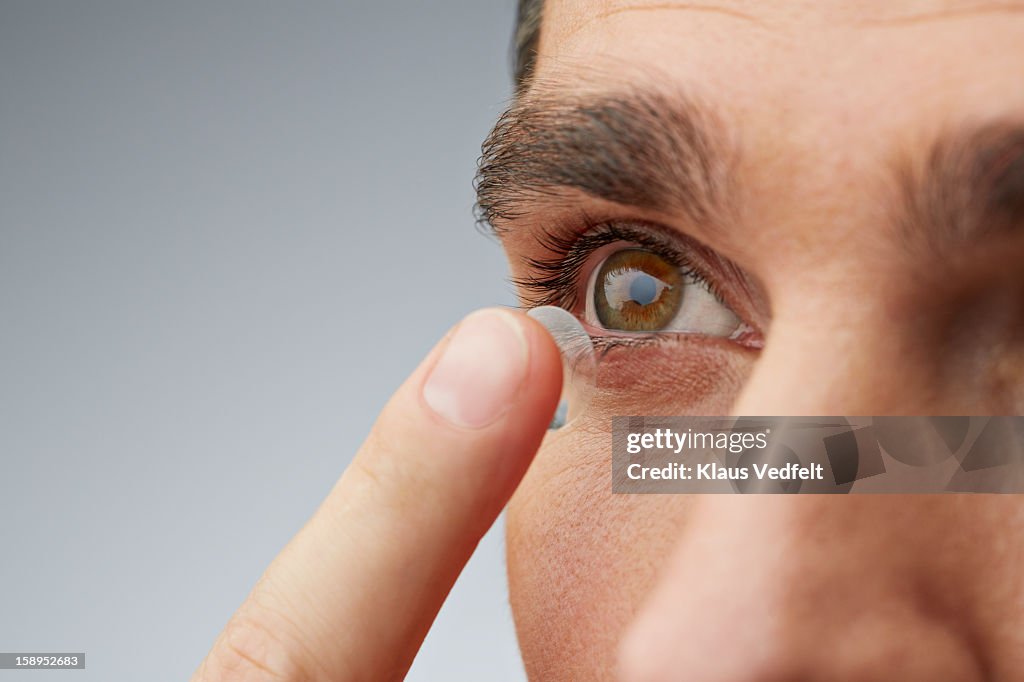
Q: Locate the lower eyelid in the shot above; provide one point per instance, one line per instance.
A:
(746, 338)
(670, 375)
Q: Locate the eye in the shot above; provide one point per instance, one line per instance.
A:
(637, 290)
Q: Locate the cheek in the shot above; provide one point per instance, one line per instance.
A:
(579, 565)
(580, 559)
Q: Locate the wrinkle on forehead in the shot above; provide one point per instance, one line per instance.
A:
(564, 18)
(619, 8)
(956, 10)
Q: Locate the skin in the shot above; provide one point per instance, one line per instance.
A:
(822, 100)
(823, 96)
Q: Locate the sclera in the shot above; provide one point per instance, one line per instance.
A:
(579, 362)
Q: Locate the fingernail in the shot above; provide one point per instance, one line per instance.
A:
(480, 370)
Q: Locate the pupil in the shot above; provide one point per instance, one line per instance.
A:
(643, 289)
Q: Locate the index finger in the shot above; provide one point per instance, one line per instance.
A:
(353, 594)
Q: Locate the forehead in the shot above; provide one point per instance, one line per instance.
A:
(573, 14)
(820, 97)
(937, 53)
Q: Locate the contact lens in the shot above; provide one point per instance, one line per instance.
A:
(579, 362)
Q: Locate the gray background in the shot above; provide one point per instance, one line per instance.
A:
(228, 230)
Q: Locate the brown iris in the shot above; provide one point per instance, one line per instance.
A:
(637, 290)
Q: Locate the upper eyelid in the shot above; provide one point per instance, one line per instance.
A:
(668, 242)
(679, 257)
(662, 241)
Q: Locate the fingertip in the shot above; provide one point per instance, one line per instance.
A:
(521, 431)
(494, 361)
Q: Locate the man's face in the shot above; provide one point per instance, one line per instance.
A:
(843, 185)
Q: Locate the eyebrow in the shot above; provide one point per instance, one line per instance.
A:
(670, 153)
(642, 149)
(967, 188)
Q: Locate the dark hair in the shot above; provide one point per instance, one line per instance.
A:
(524, 42)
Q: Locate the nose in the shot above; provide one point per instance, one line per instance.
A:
(861, 355)
(845, 367)
(776, 588)
(773, 588)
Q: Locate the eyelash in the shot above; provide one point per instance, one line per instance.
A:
(557, 279)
